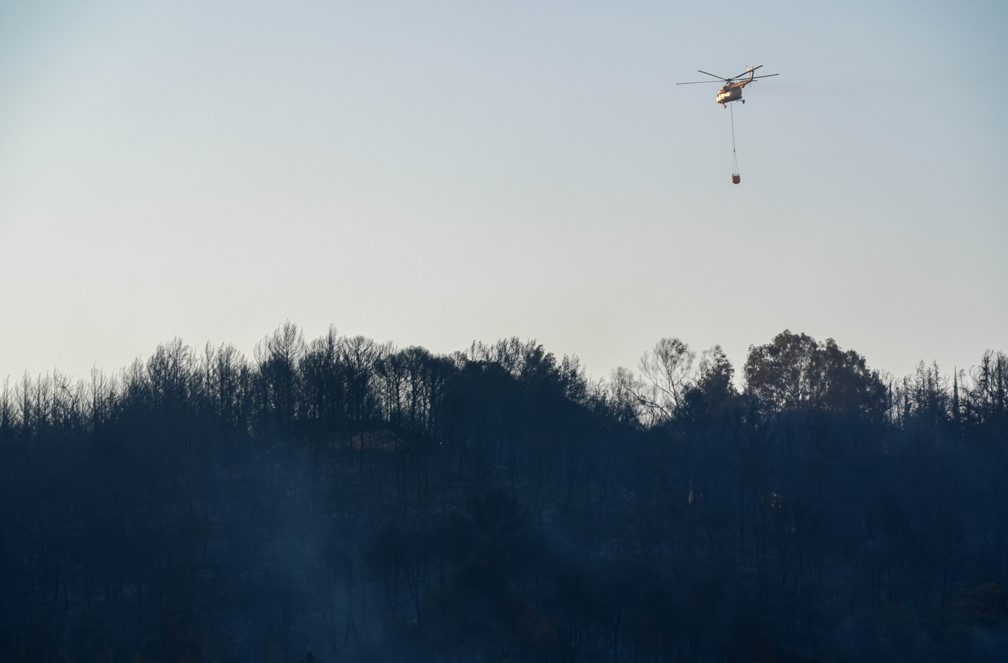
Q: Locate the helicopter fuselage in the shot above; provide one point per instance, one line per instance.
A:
(728, 93)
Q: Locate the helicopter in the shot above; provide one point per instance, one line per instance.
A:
(732, 89)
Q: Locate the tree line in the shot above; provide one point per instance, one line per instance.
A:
(344, 499)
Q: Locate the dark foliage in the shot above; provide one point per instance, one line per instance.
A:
(345, 500)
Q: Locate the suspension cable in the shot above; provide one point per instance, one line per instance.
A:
(735, 169)
(731, 111)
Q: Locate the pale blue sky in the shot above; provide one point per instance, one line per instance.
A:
(441, 172)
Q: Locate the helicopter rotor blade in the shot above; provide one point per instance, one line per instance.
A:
(746, 72)
(765, 76)
(699, 83)
(714, 75)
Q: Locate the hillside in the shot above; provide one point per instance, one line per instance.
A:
(346, 500)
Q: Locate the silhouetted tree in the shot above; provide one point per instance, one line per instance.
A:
(794, 371)
(278, 382)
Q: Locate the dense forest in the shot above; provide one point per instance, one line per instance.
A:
(341, 499)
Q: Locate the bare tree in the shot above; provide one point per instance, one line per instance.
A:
(278, 357)
(668, 374)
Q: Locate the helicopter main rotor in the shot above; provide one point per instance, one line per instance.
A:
(729, 81)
